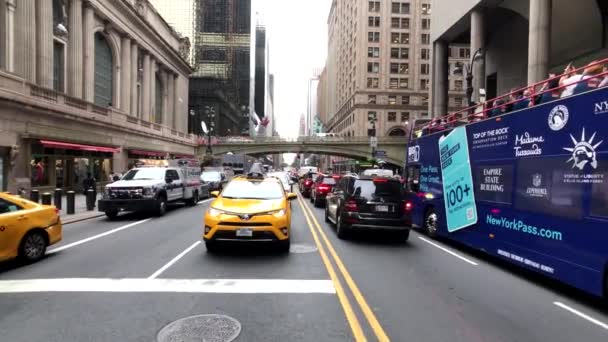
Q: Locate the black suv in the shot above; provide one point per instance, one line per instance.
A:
(368, 203)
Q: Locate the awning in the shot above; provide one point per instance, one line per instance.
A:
(183, 156)
(148, 153)
(79, 147)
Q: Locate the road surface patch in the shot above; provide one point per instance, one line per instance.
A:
(299, 248)
(203, 328)
(134, 285)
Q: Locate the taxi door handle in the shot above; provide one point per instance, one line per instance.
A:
(21, 218)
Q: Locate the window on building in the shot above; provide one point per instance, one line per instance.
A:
(458, 101)
(372, 82)
(467, 52)
(392, 116)
(158, 101)
(405, 116)
(103, 72)
(424, 69)
(426, 24)
(458, 85)
(425, 38)
(426, 8)
(373, 37)
(374, 6)
(373, 21)
(462, 52)
(58, 66)
(425, 54)
(458, 68)
(393, 83)
(404, 83)
(140, 77)
(424, 84)
(373, 52)
(404, 68)
(425, 100)
(373, 67)
(405, 100)
(449, 52)
(400, 8)
(371, 99)
(60, 16)
(395, 22)
(392, 99)
(405, 23)
(424, 114)
(400, 38)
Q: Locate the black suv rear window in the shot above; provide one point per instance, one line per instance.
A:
(329, 180)
(368, 188)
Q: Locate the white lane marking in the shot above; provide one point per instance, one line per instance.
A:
(173, 261)
(94, 237)
(248, 286)
(582, 315)
(448, 251)
(204, 201)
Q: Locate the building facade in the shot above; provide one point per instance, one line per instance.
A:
(379, 64)
(181, 16)
(520, 41)
(88, 86)
(322, 97)
(220, 85)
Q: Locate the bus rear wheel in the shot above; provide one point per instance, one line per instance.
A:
(430, 223)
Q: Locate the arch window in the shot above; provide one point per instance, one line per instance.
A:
(396, 132)
(158, 101)
(104, 76)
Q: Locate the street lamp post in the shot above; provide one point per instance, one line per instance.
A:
(469, 68)
(210, 117)
(371, 118)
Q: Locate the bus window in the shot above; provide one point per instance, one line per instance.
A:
(543, 187)
(413, 179)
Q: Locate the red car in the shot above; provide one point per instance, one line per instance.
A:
(321, 187)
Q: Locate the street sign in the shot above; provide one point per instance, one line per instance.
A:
(373, 142)
(380, 153)
(458, 193)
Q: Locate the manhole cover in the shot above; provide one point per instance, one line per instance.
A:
(201, 328)
(300, 248)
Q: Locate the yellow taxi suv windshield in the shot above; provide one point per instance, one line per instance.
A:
(253, 190)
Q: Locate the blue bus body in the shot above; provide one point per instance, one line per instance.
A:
(541, 188)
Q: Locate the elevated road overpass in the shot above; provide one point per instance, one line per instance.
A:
(352, 147)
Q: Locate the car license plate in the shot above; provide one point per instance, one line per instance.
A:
(382, 208)
(244, 232)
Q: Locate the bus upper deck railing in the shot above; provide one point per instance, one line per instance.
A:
(531, 95)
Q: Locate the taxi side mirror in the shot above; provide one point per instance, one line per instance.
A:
(291, 196)
(215, 193)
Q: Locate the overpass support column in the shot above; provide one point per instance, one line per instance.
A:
(440, 78)
(539, 40)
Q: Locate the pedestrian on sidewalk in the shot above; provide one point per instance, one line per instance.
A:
(89, 183)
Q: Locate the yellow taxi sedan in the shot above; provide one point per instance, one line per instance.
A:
(27, 228)
(249, 209)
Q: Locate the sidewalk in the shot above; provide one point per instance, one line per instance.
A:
(80, 209)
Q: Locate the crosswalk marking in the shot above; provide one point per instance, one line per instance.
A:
(134, 285)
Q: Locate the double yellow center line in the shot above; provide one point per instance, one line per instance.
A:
(351, 317)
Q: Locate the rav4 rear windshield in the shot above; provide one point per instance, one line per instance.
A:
(369, 189)
(329, 180)
(144, 174)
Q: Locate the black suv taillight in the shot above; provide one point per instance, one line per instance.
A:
(351, 206)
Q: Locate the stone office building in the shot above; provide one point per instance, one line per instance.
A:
(88, 86)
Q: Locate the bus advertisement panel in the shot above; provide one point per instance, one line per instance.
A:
(540, 187)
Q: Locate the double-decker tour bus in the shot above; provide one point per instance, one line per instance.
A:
(529, 185)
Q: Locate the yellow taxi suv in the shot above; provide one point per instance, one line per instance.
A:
(27, 228)
(250, 209)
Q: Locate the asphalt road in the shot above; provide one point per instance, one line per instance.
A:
(124, 280)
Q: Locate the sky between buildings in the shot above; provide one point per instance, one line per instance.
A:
(297, 33)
